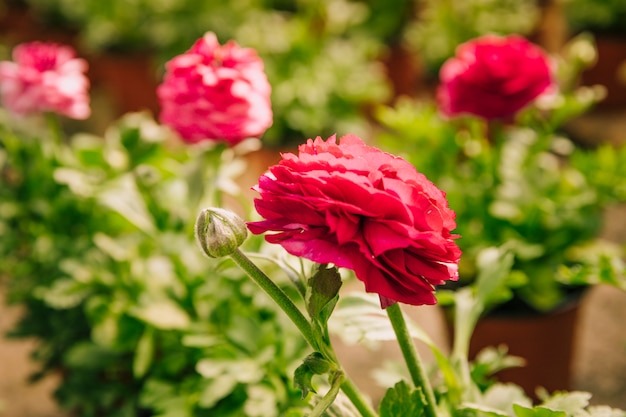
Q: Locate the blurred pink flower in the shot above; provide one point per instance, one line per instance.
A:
(363, 209)
(493, 77)
(216, 92)
(45, 77)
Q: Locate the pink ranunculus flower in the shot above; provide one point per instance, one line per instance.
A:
(216, 92)
(45, 77)
(493, 77)
(359, 208)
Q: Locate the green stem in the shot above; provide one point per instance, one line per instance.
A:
(52, 120)
(296, 316)
(328, 399)
(411, 357)
(352, 392)
(278, 295)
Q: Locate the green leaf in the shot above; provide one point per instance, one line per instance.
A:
(571, 402)
(402, 401)
(261, 401)
(163, 314)
(605, 411)
(63, 294)
(123, 196)
(243, 370)
(216, 389)
(521, 411)
(144, 353)
(313, 364)
(492, 282)
(302, 379)
(324, 288)
(317, 364)
(88, 356)
(482, 410)
(335, 379)
(501, 397)
(493, 359)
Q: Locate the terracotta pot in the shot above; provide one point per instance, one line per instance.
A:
(552, 30)
(610, 70)
(407, 74)
(18, 24)
(402, 71)
(545, 341)
(129, 79)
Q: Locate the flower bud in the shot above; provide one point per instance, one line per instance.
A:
(220, 232)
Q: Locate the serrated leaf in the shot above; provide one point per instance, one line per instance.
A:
(501, 397)
(570, 402)
(323, 293)
(402, 401)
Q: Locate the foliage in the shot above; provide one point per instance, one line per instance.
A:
(98, 246)
(604, 16)
(525, 186)
(320, 57)
(442, 25)
(462, 388)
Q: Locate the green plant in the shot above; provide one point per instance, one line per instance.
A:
(454, 387)
(98, 247)
(440, 26)
(526, 186)
(322, 58)
(604, 16)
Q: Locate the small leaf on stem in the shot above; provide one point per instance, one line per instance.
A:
(402, 400)
(324, 288)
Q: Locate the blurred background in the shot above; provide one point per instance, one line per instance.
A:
(329, 60)
(331, 63)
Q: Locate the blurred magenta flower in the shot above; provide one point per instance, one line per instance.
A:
(45, 77)
(216, 92)
(363, 209)
(493, 77)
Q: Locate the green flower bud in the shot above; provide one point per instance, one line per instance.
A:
(220, 232)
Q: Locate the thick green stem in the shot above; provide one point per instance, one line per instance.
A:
(278, 295)
(296, 316)
(352, 392)
(411, 357)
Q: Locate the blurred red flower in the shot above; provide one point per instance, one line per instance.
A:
(363, 209)
(45, 77)
(215, 92)
(493, 77)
